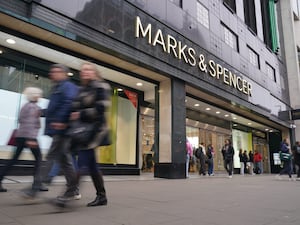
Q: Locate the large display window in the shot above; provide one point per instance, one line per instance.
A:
(18, 71)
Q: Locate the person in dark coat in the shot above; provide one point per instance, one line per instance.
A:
(90, 106)
(57, 117)
(287, 164)
(296, 154)
(228, 153)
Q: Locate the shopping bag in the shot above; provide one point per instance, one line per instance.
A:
(12, 138)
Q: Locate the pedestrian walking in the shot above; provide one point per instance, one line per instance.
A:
(286, 158)
(250, 162)
(296, 154)
(257, 159)
(26, 137)
(90, 106)
(57, 117)
(228, 153)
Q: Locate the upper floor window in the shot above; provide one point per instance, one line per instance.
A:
(250, 18)
(230, 38)
(202, 15)
(271, 72)
(230, 4)
(177, 2)
(253, 58)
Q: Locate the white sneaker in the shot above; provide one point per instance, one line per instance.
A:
(230, 176)
(278, 177)
(77, 196)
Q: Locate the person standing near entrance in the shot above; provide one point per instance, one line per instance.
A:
(210, 160)
(189, 154)
(251, 158)
(201, 155)
(228, 153)
(257, 159)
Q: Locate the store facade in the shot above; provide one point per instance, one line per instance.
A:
(181, 77)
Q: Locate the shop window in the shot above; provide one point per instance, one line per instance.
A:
(230, 4)
(271, 72)
(250, 17)
(177, 2)
(230, 38)
(202, 15)
(253, 58)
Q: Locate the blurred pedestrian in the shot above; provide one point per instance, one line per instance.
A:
(90, 106)
(189, 154)
(250, 162)
(57, 117)
(26, 137)
(296, 153)
(286, 158)
(228, 153)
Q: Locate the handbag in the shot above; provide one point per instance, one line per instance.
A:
(81, 132)
(106, 139)
(285, 156)
(12, 138)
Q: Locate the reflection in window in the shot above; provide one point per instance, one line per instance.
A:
(253, 57)
(230, 38)
(271, 72)
(202, 15)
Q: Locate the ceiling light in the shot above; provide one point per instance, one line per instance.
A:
(235, 125)
(196, 104)
(226, 115)
(119, 89)
(10, 41)
(234, 118)
(218, 112)
(70, 74)
(139, 84)
(266, 129)
(207, 109)
(1, 51)
(186, 100)
(249, 123)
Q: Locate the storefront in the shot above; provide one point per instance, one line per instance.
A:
(160, 79)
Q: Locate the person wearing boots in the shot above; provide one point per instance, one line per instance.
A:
(90, 106)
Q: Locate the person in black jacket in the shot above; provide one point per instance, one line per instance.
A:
(228, 153)
(296, 154)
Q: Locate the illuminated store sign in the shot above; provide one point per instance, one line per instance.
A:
(189, 55)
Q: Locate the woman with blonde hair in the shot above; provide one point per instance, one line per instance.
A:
(26, 137)
(90, 107)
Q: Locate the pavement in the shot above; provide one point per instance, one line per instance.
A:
(145, 200)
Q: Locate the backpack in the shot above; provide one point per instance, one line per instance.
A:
(198, 152)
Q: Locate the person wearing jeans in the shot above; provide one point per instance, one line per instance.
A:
(228, 153)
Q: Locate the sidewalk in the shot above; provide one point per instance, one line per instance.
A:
(145, 200)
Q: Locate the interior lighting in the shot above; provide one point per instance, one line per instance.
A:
(1, 51)
(10, 41)
(207, 109)
(226, 115)
(70, 74)
(249, 123)
(119, 89)
(139, 84)
(196, 105)
(234, 118)
(218, 112)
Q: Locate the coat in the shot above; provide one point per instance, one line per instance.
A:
(92, 102)
(59, 107)
(29, 121)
